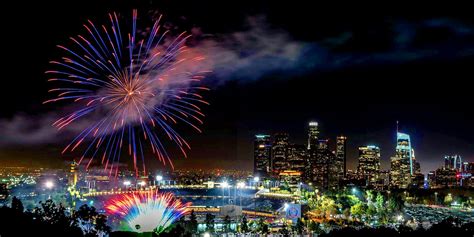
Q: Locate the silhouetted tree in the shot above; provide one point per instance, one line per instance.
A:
(226, 223)
(299, 227)
(193, 224)
(313, 226)
(209, 222)
(17, 205)
(244, 227)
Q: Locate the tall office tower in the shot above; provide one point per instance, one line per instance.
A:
(341, 156)
(320, 162)
(297, 157)
(453, 162)
(417, 168)
(369, 164)
(280, 153)
(401, 166)
(468, 167)
(417, 179)
(320, 169)
(323, 144)
(262, 155)
(72, 181)
(313, 135)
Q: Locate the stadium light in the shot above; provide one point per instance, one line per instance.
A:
(49, 184)
(240, 185)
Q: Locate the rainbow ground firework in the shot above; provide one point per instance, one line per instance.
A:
(128, 90)
(149, 211)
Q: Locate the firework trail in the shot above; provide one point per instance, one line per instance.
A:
(133, 88)
(150, 211)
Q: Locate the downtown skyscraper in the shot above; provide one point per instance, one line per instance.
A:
(262, 155)
(313, 135)
(297, 157)
(453, 162)
(341, 158)
(279, 155)
(401, 165)
(369, 164)
(321, 169)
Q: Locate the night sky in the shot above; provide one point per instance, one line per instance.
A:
(276, 66)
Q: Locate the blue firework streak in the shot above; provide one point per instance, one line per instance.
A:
(148, 211)
(130, 90)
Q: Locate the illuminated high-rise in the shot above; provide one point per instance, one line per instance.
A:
(280, 153)
(72, 183)
(453, 162)
(313, 134)
(401, 165)
(320, 169)
(262, 155)
(369, 164)
(297, 157)
(72, 180)
(341, 156)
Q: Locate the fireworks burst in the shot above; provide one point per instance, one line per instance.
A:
(133, 88)
(149, 211)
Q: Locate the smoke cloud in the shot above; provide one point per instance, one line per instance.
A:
(261, 50)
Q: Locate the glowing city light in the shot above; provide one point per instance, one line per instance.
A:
(225, 184)
(240, 185)
(127, 183)
(159, 178)
(49, 184)
(256, 179)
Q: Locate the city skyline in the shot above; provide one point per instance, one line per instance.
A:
(330, 77)
(402, 143)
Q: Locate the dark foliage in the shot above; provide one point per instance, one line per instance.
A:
(49, 219)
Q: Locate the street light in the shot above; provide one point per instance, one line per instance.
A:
(127, 183)
(49, 184)
(354, 190)
(142, 183)
(207, 235)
